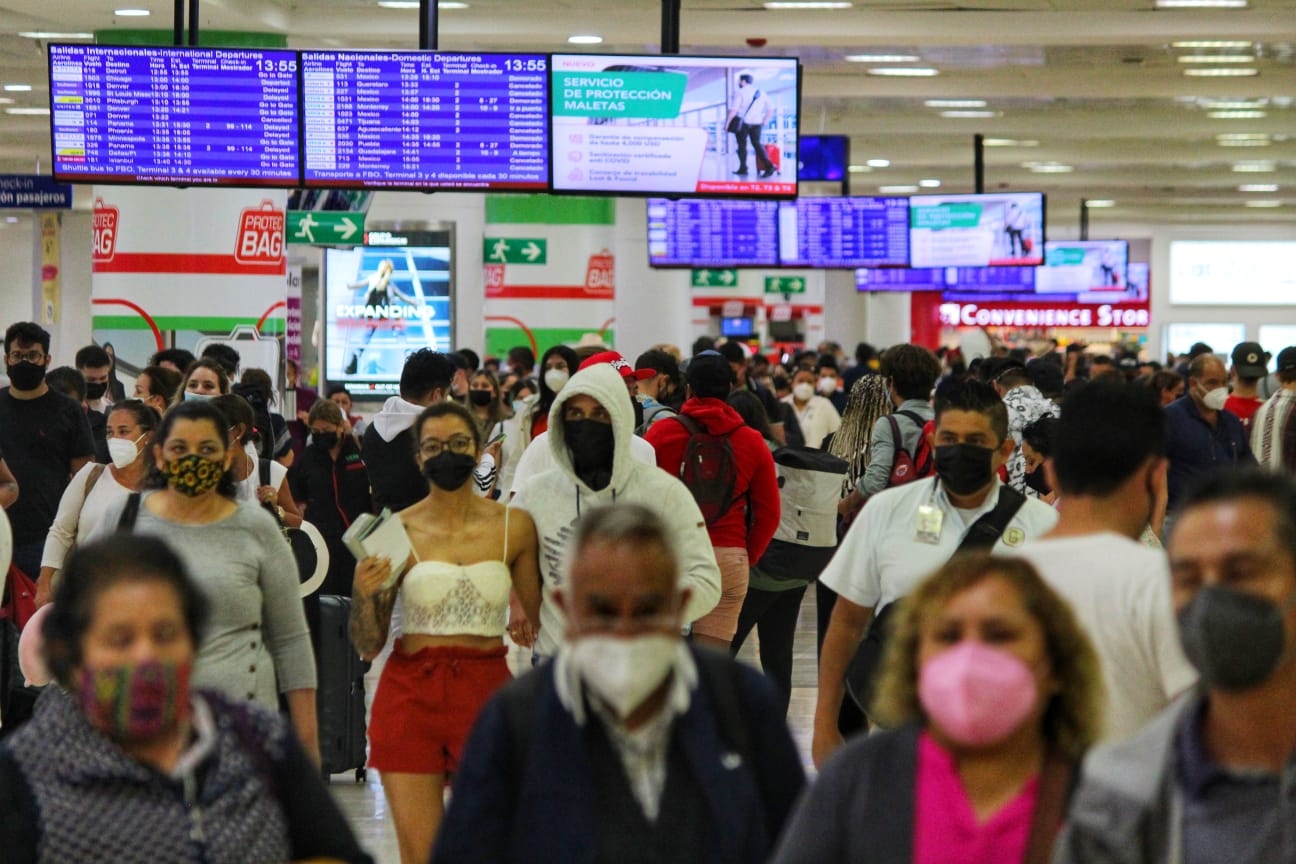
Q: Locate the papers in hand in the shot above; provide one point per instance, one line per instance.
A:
(382, 536)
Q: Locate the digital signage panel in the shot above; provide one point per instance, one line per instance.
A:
(844, 233)
(1080, 267)
(700, 232)
(992, 230)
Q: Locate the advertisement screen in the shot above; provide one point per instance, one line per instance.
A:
(994, 230)
(701, 233)
(406, 120)
(1232, 273)
(823, 158)
(844, 233)
(670, 125)
(1079, 267)
(382, 301)
(174, 116)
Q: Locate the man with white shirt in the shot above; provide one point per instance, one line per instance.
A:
(905, 533)
(1273, 438)
(752, 109)
(1109, 465)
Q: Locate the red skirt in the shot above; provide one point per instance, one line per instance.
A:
(426, 704)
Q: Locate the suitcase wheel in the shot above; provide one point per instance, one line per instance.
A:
(360, 775)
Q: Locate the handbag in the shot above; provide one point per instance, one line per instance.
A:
(19, 599)
(735, 124)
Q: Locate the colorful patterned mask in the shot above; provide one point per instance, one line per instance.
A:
(193, 474)
(135, 702)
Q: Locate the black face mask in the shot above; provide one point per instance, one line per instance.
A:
(96, 391)
(26, 376)
(449, 471)
(481, 398)
(1035, 480)
(1236, 640)
(325, 440)
(964, 468)
(591, 445)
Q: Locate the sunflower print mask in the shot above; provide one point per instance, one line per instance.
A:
(193, 474)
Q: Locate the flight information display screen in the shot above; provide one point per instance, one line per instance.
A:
(844, 233)
(927, 279)
(699, 232)
(990, 283)
(405, 120)
(174, 116)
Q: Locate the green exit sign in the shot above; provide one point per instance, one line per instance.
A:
(515, 250)
(715, 278)
(325, 227)
(785, 285)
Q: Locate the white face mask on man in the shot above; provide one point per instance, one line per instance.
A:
(1215, 399)
(624, 671)
(803, 391)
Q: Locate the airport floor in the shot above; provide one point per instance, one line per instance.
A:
(366, 809)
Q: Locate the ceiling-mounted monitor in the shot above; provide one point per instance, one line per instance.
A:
(673, 125)
(174, 116)
(1082, 267)
(844, 233)
(425, 120)
(823, 158)
(932, 279)
(706, 233)
(1002, 229)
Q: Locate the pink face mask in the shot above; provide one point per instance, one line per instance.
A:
(975, 694)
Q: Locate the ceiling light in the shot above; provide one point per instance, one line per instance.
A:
(1217, 58)
(1100, 203)
(17, 88)
(1255, 167)
(31, 112)
(585, 40)
(1243, 136)
(905, 72)
(1201, 4)
(1236, 115)
(1048, 167)
(1244, 142)
(1009, 142)
(51, 34)
(1232, 104)
(970, 115)
(1258, 187)
(450, 4)
(882, 58)
(897, 190)
(1221, 72)
(878, 163)
(955, 103)
(859, 169)
(1264, 203)
(12, 220)
(807, 4)
(132, 13)
(1212, 43)
(401, 4)
(930, 183)
(5, 100)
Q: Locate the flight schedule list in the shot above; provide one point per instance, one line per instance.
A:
(845, 232)
(196, 116)
(425, 121)
(698, 232)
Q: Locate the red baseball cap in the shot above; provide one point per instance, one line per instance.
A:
(619, 363)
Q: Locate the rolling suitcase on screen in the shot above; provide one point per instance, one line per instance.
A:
(341, 698)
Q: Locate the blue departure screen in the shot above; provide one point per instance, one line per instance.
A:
(174, 116)
(701, 232)
(990, 283)
(402, 120)
(929, 279)
(844, 232)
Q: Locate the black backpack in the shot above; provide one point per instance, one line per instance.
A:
(709, 470)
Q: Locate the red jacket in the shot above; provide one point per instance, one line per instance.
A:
(757, 484)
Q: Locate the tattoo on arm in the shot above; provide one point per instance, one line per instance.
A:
(371, 621)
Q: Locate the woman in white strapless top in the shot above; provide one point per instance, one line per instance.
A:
(468, 553)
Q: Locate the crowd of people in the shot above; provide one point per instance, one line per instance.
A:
(1056, 596)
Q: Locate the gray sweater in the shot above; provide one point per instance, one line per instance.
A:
(257, 630)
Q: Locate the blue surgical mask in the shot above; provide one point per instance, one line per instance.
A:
(191, 396)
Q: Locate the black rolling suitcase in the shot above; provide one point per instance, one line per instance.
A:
(340, 700)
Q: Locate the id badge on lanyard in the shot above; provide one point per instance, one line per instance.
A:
(930, 518)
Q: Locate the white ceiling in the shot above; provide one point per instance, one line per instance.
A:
(1095, 84)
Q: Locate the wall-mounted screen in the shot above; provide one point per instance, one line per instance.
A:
(990, 283)
(698, 232)
(736, 327)
(823, 158)
(1081, 267)
(844, 233)
(671, 125)
(174, 116)
(419, 120)
(930, 279)
(382, 301)
(1181, 336)
(1232, 273)
(992, 230)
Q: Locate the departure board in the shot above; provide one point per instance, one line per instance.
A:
(845, 233)
(403, 120)
(174, 116)
(900, 279)
(964, 284)
(700, 232)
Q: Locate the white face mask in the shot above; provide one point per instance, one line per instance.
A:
(555, 379)
(123, 452)
(803, 391)
(623, 672)
(827, 386)
(1215, 399)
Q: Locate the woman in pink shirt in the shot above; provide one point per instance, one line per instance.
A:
(992, 694)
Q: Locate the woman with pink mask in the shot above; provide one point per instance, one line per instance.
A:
(991, 693)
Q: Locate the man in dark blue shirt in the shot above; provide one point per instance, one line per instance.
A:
(1200, 435)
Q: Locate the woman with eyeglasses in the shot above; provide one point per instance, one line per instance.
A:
(468, 553)
(98, 488)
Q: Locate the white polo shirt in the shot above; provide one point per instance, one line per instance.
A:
(881, 558)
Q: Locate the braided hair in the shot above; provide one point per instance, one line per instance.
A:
(869, 400)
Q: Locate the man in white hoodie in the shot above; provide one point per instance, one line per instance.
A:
(591, 425)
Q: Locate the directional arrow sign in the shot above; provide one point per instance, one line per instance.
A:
(715, 278)
(515, 250)
(324, 227)
(785, 285)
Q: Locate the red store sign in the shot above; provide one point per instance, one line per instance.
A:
(1044, 315)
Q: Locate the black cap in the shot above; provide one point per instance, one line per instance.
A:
(1250, 360)
(1287, 359)
(1046, 376)
(658, 361)
(709, 371)
(1128, 361)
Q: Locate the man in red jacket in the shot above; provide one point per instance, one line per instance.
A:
(741, 532)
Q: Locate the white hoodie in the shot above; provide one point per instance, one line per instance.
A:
(556, 499)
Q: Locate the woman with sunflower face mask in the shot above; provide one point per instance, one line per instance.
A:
(257, 637)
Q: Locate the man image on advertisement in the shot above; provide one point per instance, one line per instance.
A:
(750, 111)
(1015, 224)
